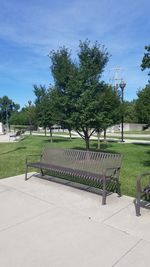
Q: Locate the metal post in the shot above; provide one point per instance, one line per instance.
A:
(7, 124)
(30, 103)
(122, 86)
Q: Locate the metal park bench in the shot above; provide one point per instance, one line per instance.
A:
(18, 134)
(15, 135)
(94, 167)
(143, 191)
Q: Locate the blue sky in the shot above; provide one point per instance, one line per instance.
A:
(30, 29)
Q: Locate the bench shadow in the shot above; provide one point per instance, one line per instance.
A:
(72, 184)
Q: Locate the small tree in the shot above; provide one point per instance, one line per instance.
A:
(44, 108)
(7, 107)
(19, 118)
(79, 90)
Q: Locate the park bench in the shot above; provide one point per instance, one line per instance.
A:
(15, 135)
(98, 167)
(143, 191)
(18, 134)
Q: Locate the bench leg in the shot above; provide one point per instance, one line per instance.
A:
(104, 192)
(137, 205)
(104, 198)
(42, 172)
(119, 189)
(26, 173)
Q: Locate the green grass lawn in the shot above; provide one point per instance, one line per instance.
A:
(136, 157)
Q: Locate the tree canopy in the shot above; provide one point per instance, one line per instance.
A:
(84, 102)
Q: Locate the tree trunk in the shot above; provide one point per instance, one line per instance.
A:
(51, 136)
(45, 131)
(98, 141)
(87, 143)
(30, 129)
(70, 134)
(104, 135)
(86, 138)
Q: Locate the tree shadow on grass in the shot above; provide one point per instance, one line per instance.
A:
(140, 144)
(103, 146)
(146, 163)
(58, 140)
(14, 150)
(106, 147)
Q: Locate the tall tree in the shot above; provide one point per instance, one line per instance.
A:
(79, 90)
(143, 105)
(146, 59)
(143, 101)
(130, 115)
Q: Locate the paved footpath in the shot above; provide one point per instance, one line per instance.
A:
(6, 138)
(47, 224)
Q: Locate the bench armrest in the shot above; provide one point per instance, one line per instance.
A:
(114, 172)
(34, 155)
(138, 182)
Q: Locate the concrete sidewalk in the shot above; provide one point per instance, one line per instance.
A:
(6, 138)
(48, 224)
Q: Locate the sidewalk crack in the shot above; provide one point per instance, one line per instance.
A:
(127, 252)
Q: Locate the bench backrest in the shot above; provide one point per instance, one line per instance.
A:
(90, 161)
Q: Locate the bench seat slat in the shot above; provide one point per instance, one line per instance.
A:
(69, 171)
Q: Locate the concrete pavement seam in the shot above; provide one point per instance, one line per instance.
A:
(116, 213)
(26, 220)
(29, 194)
(127, 252)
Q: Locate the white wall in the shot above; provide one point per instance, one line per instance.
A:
(1, 128)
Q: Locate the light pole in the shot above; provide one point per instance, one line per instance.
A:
(122, 86)
(30, 104)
